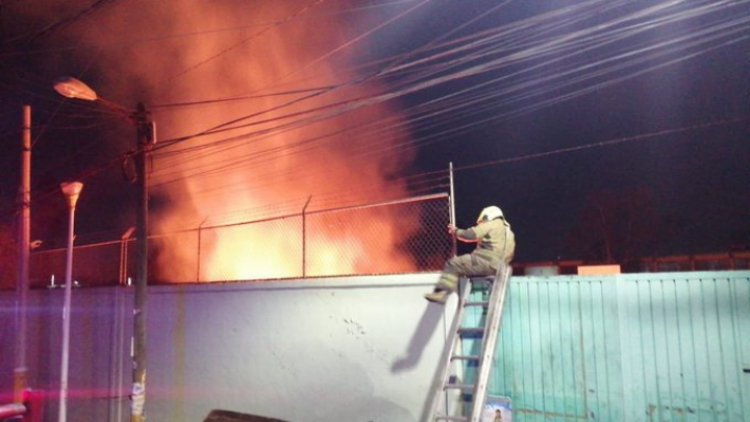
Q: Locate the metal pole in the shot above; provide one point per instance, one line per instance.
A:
(304, 237)
(22, 285)
(452, 206)
(146, 138)
(198, 266)
(124, 239)
(71, 190)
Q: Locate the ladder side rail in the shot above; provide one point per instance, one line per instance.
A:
(492, 330)
(438, 391)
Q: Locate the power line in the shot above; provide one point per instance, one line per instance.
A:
(242, 97)
(610, 142)
(240, 43)
(530, 94)
(64, 22)
(192, 34)
(298, 100)
(429, 83)
(432, 180)
(489, 96)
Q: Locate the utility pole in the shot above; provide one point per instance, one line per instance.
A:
(22, 284)
(146, 137)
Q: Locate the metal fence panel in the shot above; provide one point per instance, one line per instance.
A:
(46, 267)
(173, 258)
(383, 239)
(394, 237)
(252, 251)
(632, 347)
(93, 265)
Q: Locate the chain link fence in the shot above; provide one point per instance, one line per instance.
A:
(387, 238)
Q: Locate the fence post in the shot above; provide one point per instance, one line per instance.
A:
(304, 240)
(452, 208)
(198, 264)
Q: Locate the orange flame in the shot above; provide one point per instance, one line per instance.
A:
(288, 160)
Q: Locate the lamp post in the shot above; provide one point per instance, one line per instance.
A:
(71, 192)
(146, 137)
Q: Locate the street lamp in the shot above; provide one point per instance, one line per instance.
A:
(73, 88)
(71, 192)
(145, 129)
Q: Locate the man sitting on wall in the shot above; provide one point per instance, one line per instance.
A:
(495, 244)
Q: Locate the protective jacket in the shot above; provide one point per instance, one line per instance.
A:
(495, 241)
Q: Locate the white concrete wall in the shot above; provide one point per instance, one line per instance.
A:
(345, 349)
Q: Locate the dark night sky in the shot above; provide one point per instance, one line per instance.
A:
(680, 112)
(699, 176)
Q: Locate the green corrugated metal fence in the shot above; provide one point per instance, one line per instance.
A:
(635, 347)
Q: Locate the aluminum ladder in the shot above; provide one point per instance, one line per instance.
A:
(452, 399)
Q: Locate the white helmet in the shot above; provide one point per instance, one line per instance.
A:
(490, 213)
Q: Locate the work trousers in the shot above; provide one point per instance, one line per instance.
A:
(468, 265)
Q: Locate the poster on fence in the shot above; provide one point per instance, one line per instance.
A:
(497, 409)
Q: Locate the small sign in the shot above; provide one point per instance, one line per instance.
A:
(598, 269)
(497, 409)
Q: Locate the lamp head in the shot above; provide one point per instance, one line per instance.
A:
(71, 190)
(73, 88)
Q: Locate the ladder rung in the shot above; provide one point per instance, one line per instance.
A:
(486, 294)
(459, 386)
(467, 304)
(465, 357)
(464, 330)
(451, 418)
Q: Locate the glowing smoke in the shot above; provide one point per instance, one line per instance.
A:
(209, 179)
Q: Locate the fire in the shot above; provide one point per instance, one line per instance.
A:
(275, 160)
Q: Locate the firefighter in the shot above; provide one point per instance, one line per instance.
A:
(495, 244)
